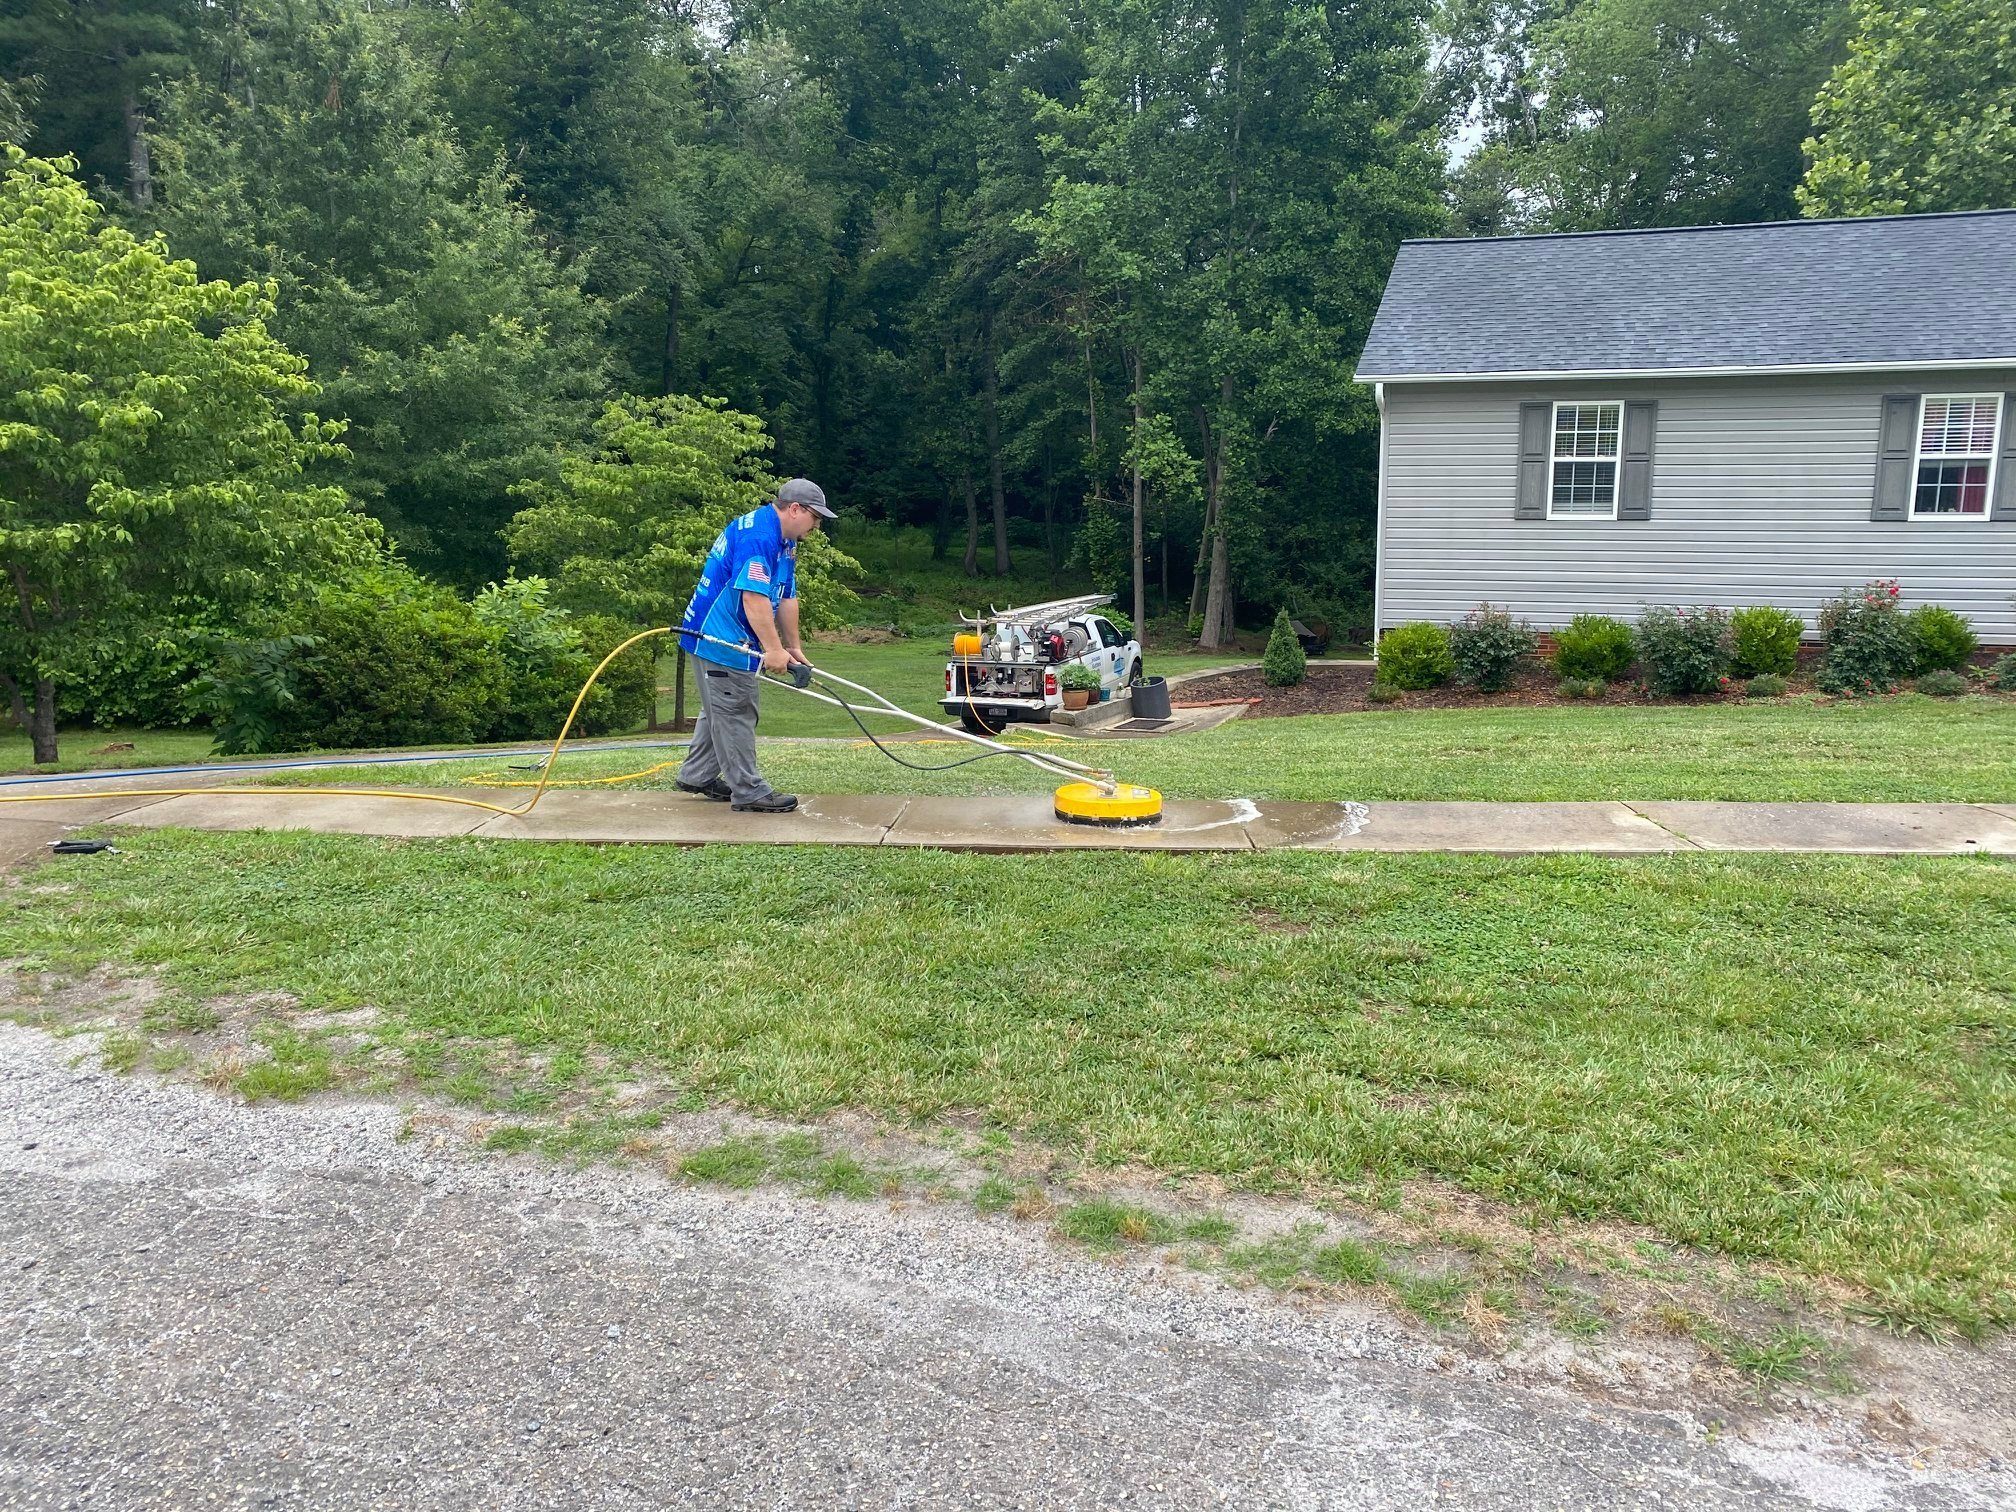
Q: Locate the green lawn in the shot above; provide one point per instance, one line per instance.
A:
(1907, 748)
(83, 750)
(1806, 1060)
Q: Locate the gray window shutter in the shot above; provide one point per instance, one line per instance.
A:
(1896, 459)
(2004, 507)
(1536, 446)
(1634, 478)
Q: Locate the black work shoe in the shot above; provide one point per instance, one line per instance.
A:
(717, 789)
(770, 803)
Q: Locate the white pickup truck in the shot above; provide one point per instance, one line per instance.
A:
(1007, 669)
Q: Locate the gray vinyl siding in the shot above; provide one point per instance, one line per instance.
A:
(1761, 491)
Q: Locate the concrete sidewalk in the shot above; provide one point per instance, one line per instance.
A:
(1026, 823)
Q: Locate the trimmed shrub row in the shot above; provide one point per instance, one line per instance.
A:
(1870, 646)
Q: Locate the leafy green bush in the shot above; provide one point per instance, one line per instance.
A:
(1766, 685)
(1684, 650)
(1941, 640)
(385, 659)
(248, 692)
(1283, 665)
(622, 700)
(1385, 693)
(1943, 682)
(1487, 645)
(2002, 673)
(1869, 650)
(1594, 647)
(1764, 641)
(549, 654)
(1080, 677)
(1582, 687)
(1415, 656)
(148, 680)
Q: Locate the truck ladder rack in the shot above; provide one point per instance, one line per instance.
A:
(1038, 614)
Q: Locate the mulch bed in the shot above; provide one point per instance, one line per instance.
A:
(1342, 690)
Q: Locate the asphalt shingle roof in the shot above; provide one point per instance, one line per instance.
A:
(1887, 289)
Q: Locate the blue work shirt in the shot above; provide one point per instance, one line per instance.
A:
(749, 556)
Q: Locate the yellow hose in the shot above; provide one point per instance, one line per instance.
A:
(545, 775)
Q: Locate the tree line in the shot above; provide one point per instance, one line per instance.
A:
(1082, 276)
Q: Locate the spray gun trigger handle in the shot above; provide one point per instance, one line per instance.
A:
(801, 675)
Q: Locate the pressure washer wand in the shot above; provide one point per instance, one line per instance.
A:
(801, 676)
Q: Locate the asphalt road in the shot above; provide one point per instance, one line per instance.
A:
(206, 1304)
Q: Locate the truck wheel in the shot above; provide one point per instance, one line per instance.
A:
(1136, 674)
(974, 724)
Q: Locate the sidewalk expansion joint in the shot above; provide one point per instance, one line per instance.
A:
(1665, 829)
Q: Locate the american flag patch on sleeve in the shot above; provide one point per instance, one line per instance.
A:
(758, 573)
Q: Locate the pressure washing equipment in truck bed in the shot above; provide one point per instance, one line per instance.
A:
(1089, 795)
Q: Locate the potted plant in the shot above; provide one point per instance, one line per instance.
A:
(1080, 683)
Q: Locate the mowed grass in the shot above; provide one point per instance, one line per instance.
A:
(1903, 749)
(81, 750)
(1805, 1060)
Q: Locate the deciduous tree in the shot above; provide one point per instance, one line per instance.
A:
(152, 453)
(458, 346)
(625, 527)
(1613, 114)
(1920, 116)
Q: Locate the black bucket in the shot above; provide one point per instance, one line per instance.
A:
(1151, 698)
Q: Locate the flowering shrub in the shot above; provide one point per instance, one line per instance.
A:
(1869, 649)
(1487, 645)
(1765, 640)
(1684, 650)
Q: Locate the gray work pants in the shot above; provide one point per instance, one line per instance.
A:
(724, 736)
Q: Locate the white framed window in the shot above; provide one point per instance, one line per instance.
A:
(1956, 456)
(1582, 481)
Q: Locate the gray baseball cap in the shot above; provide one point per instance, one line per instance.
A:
(805, 491)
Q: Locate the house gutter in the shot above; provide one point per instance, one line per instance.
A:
(1379, 520)
(1951, 365)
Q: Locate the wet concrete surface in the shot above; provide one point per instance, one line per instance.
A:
(685, 819)
(1028, 822)
(1485, 828)
(323, 814)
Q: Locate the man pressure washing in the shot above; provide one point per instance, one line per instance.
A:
(747, 596)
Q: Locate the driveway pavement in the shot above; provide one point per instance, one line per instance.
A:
(207, 1304)
(30, 817)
